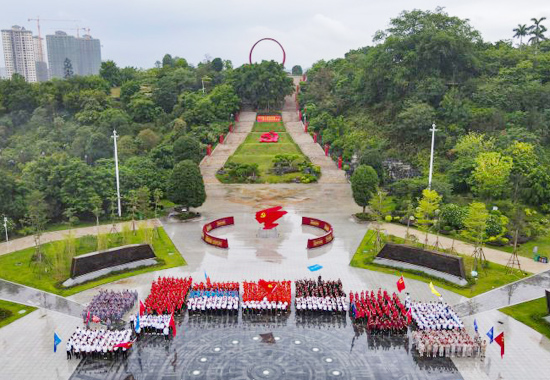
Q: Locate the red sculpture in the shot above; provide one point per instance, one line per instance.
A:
(269, 137)
(268, 216)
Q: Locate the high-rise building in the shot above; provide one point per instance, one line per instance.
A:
(18, 46)
(83, 53)
(39, 57)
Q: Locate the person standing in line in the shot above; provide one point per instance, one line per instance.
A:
(68, 347)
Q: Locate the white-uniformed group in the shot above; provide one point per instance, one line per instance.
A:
(435, 316)
(321, 304)
(264, 307)
(98, 343)
(213, 302)
(152, 324)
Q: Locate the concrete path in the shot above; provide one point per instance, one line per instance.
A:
(25, 295)
(26, 347)
(329, 169)
(493, 255)
(211, 164)
(28, 241)
(511, 294)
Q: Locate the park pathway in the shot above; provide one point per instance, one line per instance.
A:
(329, 169)
(524, 290)
(25, 295)
(211, 164)
(28, 241)
(493, 255)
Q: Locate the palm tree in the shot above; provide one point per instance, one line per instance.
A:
(521, 31)
(537, 31)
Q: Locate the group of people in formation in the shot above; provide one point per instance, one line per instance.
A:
(435, 316)
(380, 312)
(320, 297)
(266, 297)
(168, 295)
(152, 324)
(448, 343)
(218, 298)
(99, 344)
(110, 306)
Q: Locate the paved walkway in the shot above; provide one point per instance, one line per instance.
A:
(28, 241)
(511, 294)
(494, 255)
(329, 169)
(211, 164)
(25, 295)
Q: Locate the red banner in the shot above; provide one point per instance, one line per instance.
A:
(269, 118)
(322, 240)
(212, 240)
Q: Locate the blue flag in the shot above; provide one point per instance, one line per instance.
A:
(56, 341)
(137, 323)
(491, 334)
(475, 325)
(315, 267)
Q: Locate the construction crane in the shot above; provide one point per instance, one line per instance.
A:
(38, 19)
(87, 30)
(77, 30)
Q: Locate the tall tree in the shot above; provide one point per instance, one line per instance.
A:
(68, 71)
(37, 217)
(111, 73)
(187, 148)
(427, 209)
(186, 186)
(297, 70)
(490, 177)
(364, 182)
(520, 32)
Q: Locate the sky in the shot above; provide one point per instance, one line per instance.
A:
(139, 32)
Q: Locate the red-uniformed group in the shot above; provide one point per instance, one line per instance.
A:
(168, 295)
(216, 286)
(266, 296)
(381, 313)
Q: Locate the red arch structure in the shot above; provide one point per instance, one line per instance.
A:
(321, 240)
(269, 39)
(212, 240)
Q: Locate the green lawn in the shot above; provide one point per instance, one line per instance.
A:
(526, 250)
(494, 277)
(15, 266)
(531, 314)
(266, 127)
(10, 311)
(251, 151)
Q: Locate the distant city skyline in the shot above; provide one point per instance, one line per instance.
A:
(136, 33)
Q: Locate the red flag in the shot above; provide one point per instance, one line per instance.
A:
(88, 317)
(172, 324)
(401, 284)
(409, 317)
(126, 345)
(268, 286)
(269, 216)
(95, 319)
(500, 340)
(141, 308)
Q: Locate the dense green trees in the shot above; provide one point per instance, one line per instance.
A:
(488, 100)
(263, 85)
(185, 186)
(364, 183)
(55, 136)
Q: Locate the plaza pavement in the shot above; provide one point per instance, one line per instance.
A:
(285, 257)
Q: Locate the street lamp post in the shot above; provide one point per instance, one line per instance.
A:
(115, 136)
(6, 229)
(433, 130)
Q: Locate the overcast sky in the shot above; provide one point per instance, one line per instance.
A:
(139, 32)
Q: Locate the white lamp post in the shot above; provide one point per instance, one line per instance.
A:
(115, 136)
(433, 130)
(6, 229)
